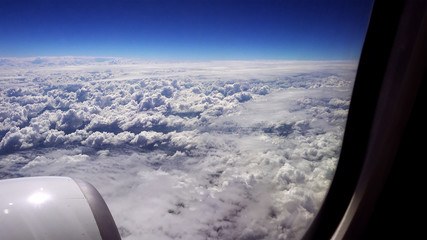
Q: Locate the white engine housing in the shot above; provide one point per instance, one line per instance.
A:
(53, 208)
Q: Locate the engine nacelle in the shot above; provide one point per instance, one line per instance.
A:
(53, 208)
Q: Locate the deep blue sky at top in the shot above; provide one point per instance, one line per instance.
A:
(185, 30)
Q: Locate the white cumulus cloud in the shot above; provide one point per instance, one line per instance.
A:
(196, 150)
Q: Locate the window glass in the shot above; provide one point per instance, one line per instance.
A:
(194, 119)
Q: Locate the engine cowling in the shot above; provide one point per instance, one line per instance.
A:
(53, 208)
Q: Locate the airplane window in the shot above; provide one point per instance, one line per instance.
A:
(194, 119)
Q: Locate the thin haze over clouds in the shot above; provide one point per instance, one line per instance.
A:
(185, 30)
(200, 150)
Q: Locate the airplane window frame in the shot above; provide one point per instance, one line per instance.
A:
(393, 61)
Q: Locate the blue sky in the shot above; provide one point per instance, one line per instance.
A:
(185, 30)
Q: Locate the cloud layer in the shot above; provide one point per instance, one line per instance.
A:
(203, 150)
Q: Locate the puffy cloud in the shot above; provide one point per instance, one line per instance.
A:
(71, 120)
(167, 92)
(221, 150)
(54, 138)
(16, 139)
(12, 140)
(151, 103)
(145, 138)
(12, 115)
(243, 97)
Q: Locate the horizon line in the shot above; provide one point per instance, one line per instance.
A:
(178, 60)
